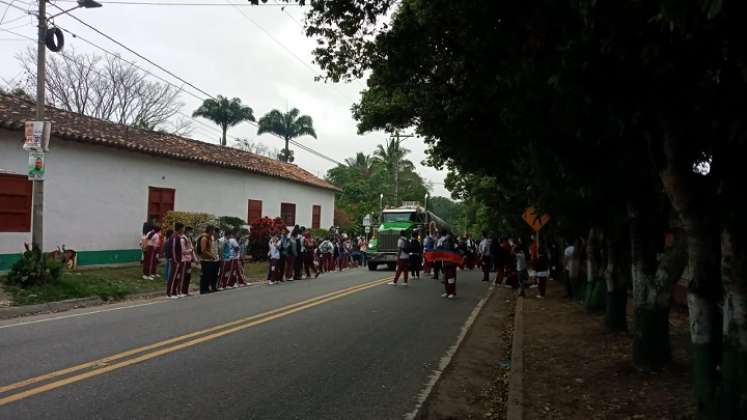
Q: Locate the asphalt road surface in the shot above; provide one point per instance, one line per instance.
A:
(343, 346)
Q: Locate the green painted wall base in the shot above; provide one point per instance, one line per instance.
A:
(120, 256)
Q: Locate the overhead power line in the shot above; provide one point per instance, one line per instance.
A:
(180, 88)
(188, 4)
(136, 53)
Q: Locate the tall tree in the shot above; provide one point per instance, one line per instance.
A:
(662, 82)
(391, 156)
(225, 113)
(362, 163)
(106, 88)
(289, 125)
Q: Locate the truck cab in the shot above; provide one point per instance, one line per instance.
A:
(382, 248)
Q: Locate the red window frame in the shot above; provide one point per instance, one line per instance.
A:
(316, 216)
(288, 213)
(160, 202)
(16, 196)
(254, 211)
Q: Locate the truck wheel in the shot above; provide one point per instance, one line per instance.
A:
(391, 266)
(372, 266)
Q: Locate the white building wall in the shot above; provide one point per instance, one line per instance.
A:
(96, 197)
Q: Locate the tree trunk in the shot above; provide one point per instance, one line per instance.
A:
(578, 283)
(734, 358)
(652, 289)
(286, 158)
(693, 198)
(595, 296)
(617, 278)
(223, 141)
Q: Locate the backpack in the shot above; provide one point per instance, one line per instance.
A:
(408, 247)
(198, 245)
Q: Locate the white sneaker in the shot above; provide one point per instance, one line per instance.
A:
(450, 297)
(173, 297)
(270, 283)
(444, 295)
(151, 278)
(235, 286)
(405, 284)
(146, 278)
(391, 283)
(540, 297)
(156, 275)
(534, 286)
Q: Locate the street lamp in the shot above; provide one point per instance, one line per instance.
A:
(84, 4)
(37, 230)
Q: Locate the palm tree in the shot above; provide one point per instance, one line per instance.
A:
(361, 163)
(225, 113)
(288, 126)
(392, 157)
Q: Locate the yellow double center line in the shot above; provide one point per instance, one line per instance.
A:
(105, 365)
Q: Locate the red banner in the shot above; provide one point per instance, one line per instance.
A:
(444, 256)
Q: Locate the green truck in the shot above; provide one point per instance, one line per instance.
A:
(382, 248)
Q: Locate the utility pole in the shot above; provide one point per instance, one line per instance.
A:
(37, 219)
(37, 213)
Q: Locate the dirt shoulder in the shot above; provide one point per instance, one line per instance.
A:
(475, 384)
(574, 369)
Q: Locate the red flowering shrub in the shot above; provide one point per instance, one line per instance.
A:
(260, 233)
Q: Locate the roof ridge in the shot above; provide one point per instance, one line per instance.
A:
(115, 134)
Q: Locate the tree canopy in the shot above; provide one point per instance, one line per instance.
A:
(225, 113)
(596, 111)
(288, 125)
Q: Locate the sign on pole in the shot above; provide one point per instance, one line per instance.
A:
(368, 229)
(534, 220)
(36, 166)
(367, 220)
(37, 135)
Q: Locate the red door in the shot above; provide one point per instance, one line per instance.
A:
(160, 202)
(255, 211)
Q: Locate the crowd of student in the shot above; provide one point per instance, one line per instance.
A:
(297, 254)
(293, 255)
(520, 266)
(515, 264)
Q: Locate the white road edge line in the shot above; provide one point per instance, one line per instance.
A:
(446, 359)
(38, 321)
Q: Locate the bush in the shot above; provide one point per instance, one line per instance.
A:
(259, 237)
(198, 221)
(319, 233)
(35, 268)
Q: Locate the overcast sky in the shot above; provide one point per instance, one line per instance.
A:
(259, 54)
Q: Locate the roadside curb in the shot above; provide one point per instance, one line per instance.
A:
(515, 403)
(11, 312)
(445, 361)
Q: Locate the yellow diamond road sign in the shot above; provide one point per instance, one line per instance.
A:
(534, 220)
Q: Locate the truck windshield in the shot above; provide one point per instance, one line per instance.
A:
(399, 217)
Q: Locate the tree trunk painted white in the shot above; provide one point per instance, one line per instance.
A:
(734, 358)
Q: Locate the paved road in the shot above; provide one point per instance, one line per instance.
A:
(339, 347)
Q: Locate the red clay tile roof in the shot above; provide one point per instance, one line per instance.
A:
(15, 111)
